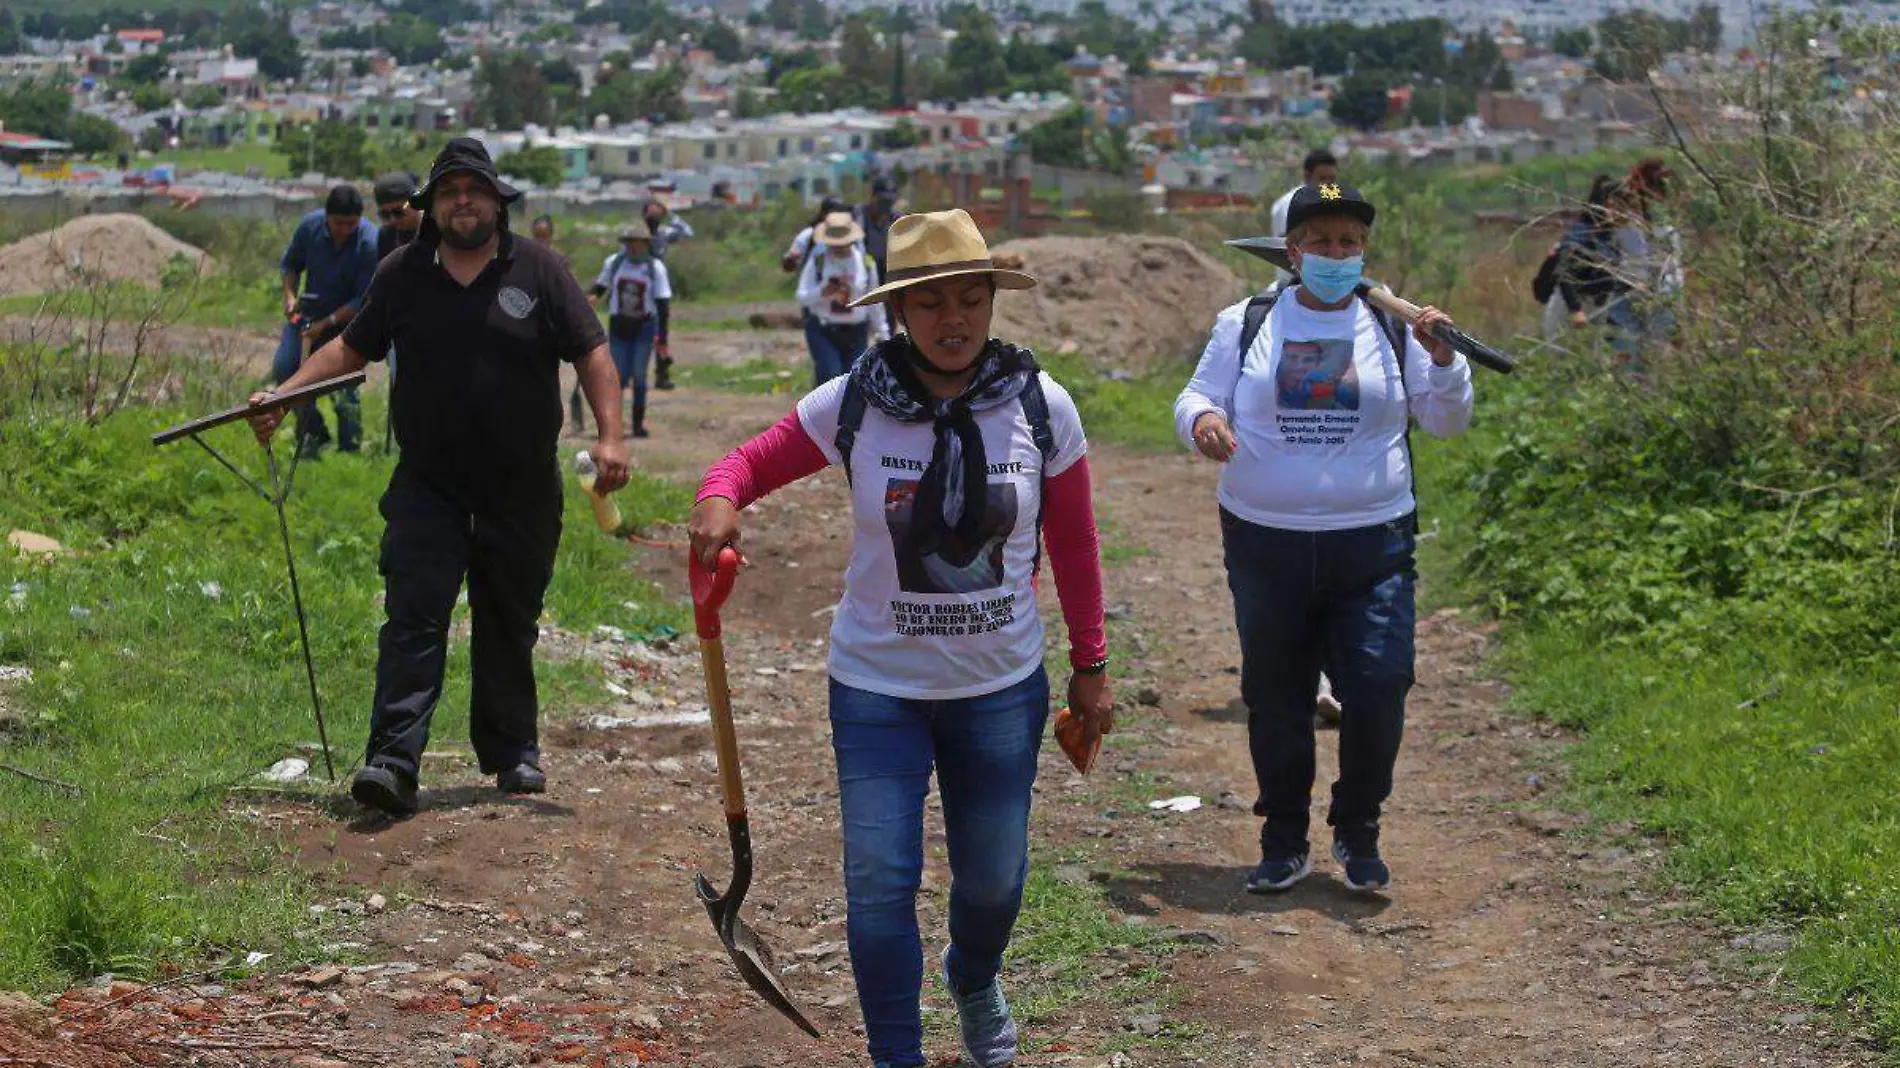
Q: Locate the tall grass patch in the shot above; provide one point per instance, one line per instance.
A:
(166, 672)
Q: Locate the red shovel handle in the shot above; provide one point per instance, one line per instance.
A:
(710, 590)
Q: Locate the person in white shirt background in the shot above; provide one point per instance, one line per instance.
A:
(1319, 524)
(639, 296)
(831, 280)
(1320, 168)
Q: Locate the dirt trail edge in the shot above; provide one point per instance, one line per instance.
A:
(564, 929)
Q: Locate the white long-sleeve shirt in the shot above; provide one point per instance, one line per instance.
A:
(860, 276)
(1319, 413)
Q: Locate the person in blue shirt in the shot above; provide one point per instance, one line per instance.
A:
(332, 256)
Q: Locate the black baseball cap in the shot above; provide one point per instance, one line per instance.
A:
(343, 200)
(464, 154)
(1313, 201)
(397, 185)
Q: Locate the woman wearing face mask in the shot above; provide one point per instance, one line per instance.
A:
(956, 448)
(1307, 404)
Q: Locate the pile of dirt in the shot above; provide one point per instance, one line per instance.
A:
(1126, 302)
(119, 247)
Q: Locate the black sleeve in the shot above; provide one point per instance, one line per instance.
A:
(369, 334)
(1567, 281)
(660, 309)
(577, 329)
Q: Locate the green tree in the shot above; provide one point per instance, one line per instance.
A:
(148, 68)
(92, 135)
(902, 134)
(10, 38)
(975, 65)
(782, 15)
(866, 65)
(407, 37)
(1362, 100)
(510, 92)
(623, 95)
(37, 108)
(541, 164)
(202, 96)
(256, 34)
(780, 64)
(1705, 28)
(331, 147)
(1459, 103)
(1575, 42)
(1060, 140)
(147, 97)
(722, 41)
(1632, 43)
(748, 103)
(815, 89)
(814, 20)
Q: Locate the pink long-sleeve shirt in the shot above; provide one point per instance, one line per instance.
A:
(920, 626)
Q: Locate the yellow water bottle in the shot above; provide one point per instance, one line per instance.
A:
(606, 512)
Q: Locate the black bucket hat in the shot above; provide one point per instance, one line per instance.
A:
(463, 154)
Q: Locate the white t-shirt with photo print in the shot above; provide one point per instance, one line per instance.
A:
(634, 285)
(1319, 413)
(934, 622)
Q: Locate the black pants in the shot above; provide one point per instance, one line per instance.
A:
(504, 542)
(1342, 600)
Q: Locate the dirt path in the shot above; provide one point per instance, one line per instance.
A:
(564, 929)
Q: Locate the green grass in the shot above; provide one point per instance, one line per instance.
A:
(1784, 813)
(1065, 932)
(155, 691)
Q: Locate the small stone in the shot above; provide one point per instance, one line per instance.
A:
(1148, 1024)
(376, 903)
(1148, 697)
(1071, 875)
(1230, 803)
(322, 978)
(1198, 938)
(308, 1061)
(473, 963)
(644, 1022)
(1285, 930)
(27, 543)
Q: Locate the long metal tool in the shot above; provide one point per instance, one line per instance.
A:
(1273, 250)
(749, 955)
(276, 496)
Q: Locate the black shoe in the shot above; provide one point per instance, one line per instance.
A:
(1358, 857)
(522, 779)
(1278, 873)
(385, 789)
(641, 432)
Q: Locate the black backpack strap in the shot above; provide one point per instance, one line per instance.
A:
(1255, 318)
(850, 418)
(1036, 411)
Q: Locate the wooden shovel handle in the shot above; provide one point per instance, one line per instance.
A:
(710, 590)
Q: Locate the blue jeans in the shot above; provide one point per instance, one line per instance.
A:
(984, 749)
(309, 421)
(833, 347)
(630, 359)
(1341, 600)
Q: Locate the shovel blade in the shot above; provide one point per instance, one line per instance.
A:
(750, 955)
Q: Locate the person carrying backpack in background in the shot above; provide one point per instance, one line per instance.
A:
(1575, 280)
(1305, 397)
(828, 288)
(959, 451)
(639, 296)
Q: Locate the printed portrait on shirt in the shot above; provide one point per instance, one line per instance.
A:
(632, 291)
(930, 556)
(1318, 376)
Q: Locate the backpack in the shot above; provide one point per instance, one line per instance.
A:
(1255, 318)
(1545, 282)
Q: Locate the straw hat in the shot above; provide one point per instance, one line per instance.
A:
(938, 244)
(838, 230)
(636, 232)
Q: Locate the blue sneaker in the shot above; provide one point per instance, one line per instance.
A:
(983, 1022)
(1358, 857)
(1279, 872)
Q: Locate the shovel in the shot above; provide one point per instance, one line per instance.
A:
(749, 955)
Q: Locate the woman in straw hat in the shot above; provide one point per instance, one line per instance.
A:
(957, 448)
(828, 287)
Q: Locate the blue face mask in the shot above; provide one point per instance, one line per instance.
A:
(1328, 279)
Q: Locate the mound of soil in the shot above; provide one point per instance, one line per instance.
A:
(1127, 302)
(119, 247)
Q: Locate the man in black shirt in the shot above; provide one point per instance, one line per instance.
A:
(481, 322)
(398, 220)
